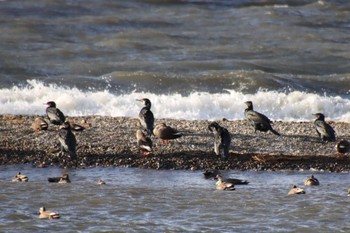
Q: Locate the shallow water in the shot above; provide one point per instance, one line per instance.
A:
(138, 200)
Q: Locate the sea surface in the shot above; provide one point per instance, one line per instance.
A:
(139, 200)
(195, 59)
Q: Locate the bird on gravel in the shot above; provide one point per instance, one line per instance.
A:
(146, 117)
(222, 139)
(257, 120)
(67, 140)
(55, 115)
(324, 130)
(39, 124)
(166, 133)
(143, 142)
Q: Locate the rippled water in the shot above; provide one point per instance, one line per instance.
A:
(196, 59)
(137, 200)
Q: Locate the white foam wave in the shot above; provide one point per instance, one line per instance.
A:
(293, 106)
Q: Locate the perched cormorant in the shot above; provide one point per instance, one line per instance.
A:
(296, 190)
(222, 139)
(324, 130)
(166, 133)
(224, 185)
(55, 115)
(233, 180)
(146, 116)
(257, 120)
(39, 124)
(343, 146)
(43, 213)
(311, 181)
(144, 142)
(67, 140)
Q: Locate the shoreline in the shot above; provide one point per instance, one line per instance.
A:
(111, 141)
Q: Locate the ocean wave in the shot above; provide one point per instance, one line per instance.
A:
(285, 106)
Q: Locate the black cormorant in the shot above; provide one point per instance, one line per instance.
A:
(324, 130)
(222, 139)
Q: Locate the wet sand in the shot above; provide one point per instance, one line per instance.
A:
(111, 141)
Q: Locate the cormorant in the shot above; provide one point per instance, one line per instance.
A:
(146, 116)
(222, 139)
(166, 133)
(324, 130)
(143, 142)
(67, 140)
(55, 115)
(257, 120)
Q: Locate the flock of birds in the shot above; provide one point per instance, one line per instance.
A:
(147, 129)
(222, 184)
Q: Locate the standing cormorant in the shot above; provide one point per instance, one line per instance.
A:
(55, 115)
(146, 116)
(67, 140)
(222, 139)
(257, 120)
(165, 133)
(324, 130)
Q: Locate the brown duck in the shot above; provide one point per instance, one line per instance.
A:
(166, 133)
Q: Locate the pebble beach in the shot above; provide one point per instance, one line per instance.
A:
(111, 141)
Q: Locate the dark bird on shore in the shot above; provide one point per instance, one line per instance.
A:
(55, 115)
(232, 180)
(222, 139)
(224, 185)
(19, 177)
(324, 130)
(296, 190)
(144, 142)
(343, 146)
(257, 120)
(62, 179)
(211, 174)
(311, 181)
(39, 124)
(146, 117)
(166, 133)
(67, 140)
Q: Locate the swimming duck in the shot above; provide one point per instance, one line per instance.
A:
(62, 179)
(20, 178)
(101, 182)
(222, 139)
(144, 142)
(257, 120)
(296, 190)
(146, 117)
(324, 130)
(166, 133)
(43, 213)
(343, 146)
(232, 180)
(223, 185)
(311, 181)
(54, 114)
(39, 124)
